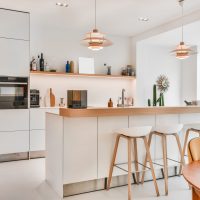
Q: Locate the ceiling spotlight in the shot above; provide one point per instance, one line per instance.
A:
(143, 19)
(62, 4)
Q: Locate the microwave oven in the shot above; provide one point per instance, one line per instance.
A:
(13, 92)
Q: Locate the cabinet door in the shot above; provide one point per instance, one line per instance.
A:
(37, 117)
(14, 24)
(37, 140)
(80, 149)
(106, 142)
(14, 57)
(14, 120)
(14, 142)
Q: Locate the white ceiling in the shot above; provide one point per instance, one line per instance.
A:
(116, 17)
(173, 37)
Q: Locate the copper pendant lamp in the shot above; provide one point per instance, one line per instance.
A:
(96, 40)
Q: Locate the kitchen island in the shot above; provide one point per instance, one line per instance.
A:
(80, 142)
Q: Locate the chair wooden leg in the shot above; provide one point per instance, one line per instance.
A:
(129, 168)
(180, 151)
(113, 161)
(135, 153)
(184, 148)
(146, 159)
(151, 165)
(164, 146)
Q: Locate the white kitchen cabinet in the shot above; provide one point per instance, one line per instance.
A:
(37, 140)
(14, 24)
(37, 117)
(37, 127)
(106, 141)
(14, 56)
(14, 142)
(14, 120)
(80, 149)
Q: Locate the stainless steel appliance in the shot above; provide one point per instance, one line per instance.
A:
(77, 99)
(13, 92)
(34, 98)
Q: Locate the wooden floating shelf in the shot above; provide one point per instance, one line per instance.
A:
(81, 75)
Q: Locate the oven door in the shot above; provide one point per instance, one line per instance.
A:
(14, 95)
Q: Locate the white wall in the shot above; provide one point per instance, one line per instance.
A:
(99, 89)
(60, 45)
(198, 73)
(153, 61)
(189, 79)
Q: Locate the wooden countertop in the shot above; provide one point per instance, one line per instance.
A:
(128, 111)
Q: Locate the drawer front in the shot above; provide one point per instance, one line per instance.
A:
(37, 117)
(14, 24)
(14, 120)
(14, 57)
(37, 140)
(14, 142)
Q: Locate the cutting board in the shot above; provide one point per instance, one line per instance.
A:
(52, 98)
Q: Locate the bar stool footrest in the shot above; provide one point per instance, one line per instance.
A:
(124, 167)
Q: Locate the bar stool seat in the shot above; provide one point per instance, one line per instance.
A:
(169, 129)
(131, 135)
(135, 131)
(163, 131)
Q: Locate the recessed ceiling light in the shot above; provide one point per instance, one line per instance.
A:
(62, 4)
(143, 19)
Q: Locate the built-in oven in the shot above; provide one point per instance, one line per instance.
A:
(13, 92)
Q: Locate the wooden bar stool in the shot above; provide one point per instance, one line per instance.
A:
(190, 130)
(131, 135)
(163, 132)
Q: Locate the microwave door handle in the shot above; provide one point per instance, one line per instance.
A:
(13, 83)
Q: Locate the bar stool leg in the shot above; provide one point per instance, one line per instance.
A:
(129, 168)
(151, 165)
(164, 146)
(146, 159)
(180, 150)
(135, 152)
(113, 161)
(184, 148)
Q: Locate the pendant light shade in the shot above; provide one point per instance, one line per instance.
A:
(182, 51)
(96, 40)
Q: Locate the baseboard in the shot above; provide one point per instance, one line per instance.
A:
(21, 156)
(100, 184)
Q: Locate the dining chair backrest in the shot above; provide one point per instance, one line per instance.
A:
(194, 150)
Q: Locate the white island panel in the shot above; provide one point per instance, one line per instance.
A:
(54, 155)
(106, 142)
(80, 149)
(172, 148)
(143, 120)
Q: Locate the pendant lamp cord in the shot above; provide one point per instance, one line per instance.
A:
(95, 15)
(182, 2)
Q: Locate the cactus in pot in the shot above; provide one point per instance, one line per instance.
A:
(154, 95)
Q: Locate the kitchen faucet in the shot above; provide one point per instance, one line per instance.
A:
(123, 97)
